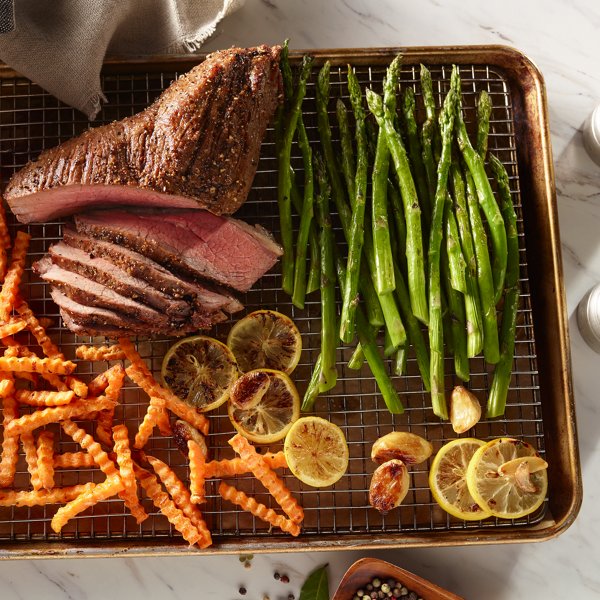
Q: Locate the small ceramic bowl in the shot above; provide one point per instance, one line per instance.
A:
(364, 570)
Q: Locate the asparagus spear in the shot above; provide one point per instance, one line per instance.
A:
(328, 376)
(456, 308)
(400, 360)
(348, 159)
(384, 269)
(488, 204)
(474, 321)
(356, 237)
(399, 246)
(371, 351)
(485, 281)
(456, 261)
(416, 157)
(284, 181)
(429, 137)
(484, 112)
(305, 220)
(367, 290)
(436, 337)
(312, 391)
(502, 372)
(412, 212)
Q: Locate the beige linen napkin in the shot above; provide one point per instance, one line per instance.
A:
(60, 44)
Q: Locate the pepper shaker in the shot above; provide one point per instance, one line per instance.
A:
(588, 318)
(591, 135)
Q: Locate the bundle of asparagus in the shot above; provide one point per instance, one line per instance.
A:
(428, 188)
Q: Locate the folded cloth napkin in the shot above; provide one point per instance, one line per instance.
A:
(61, 44)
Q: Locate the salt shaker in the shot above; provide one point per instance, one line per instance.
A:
(591, 135)
(588, 318)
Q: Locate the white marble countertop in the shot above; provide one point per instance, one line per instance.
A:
(562, 39)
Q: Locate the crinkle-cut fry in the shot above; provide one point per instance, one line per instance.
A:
(114, 377)
(123, 452)
(12, 280)
(87, 442)
(12, 327)
(197, 468)
(54, 414)
(230, 467)
(139, 373)
(33, 364)
(44, 397)
(49, 348)
(180, 494)
(97, 493)
(98, 353)
(150, 420)
(73, 460)
(162, 418)
(45, 459)
(42, 497)
(75, 384)
(11, 351)
(98, 385)
(30, 450)
(261, 470)
(7, 385)
(46, 322)
(251, 505)
(10, 443)
(163, 502)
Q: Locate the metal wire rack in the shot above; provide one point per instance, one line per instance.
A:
(32, 120)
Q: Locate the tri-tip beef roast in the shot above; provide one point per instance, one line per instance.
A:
(153, 272)
(196, 146)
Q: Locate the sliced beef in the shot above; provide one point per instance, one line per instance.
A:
(199, 243)
(205, 296)
(106, 273)
(91, 320)
(196, 146)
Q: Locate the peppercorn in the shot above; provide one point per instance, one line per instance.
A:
(403, 591)
(284, 579)
(376, 582)
(242, 591)
(369, 587)
(276, 576)
(360, 593)
(291, 597)
(385, 588)
(413, 596)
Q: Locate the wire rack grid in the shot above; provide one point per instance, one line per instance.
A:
(32, 120)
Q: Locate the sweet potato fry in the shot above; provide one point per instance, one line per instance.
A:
(197, 468)
(180, 494)
(49, 348)
(110, 487)
(97, 353)
(44, 398)
(33, 364)
(45, 459)
(12, 327)
(42, 497)
(54, 414)
(153, 414)
(261, 470)
(10, 443)
(237, 497)
(73, 460)
(139, 373)
(87, 442)
(236, 466)
(129, 494)
(163, 502)
(12, 281)
(30, 450)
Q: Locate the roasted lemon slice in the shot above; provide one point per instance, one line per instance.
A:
(316, 451)
(508, 478)
(200, 370)
(265, 339)
(263, 404)
(447, 479)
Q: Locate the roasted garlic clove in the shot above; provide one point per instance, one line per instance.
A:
(183, 432)
(465, 410)
(410, 448)
(389, 485)
(521, 469)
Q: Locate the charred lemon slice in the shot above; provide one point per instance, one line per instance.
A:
(263, 405)
(448, 483)
(508, 478)
(265, 339)
(316, 451)
(201, 371)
